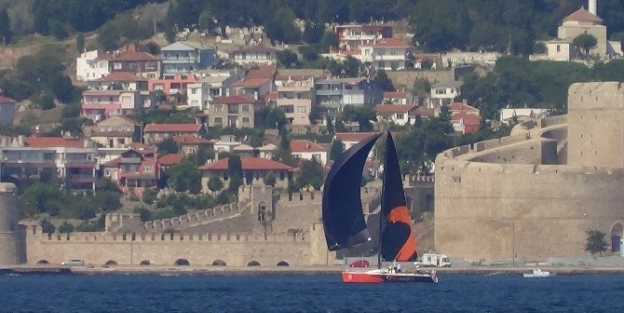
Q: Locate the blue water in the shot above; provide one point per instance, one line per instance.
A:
(314, 293)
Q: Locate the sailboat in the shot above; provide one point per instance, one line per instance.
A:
(343, 218)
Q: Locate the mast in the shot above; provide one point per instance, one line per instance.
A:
(383, 193)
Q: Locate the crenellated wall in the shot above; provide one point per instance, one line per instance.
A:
(517, 196)
(164, 249)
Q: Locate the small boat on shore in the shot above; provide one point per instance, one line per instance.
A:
(536, 272)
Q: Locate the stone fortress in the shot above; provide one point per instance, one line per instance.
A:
(534, 194)
(262, 229)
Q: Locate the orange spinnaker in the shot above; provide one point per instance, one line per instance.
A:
(401, 214)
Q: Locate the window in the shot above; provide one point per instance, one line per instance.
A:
(302, 109)
(217, 107)
(245, 107)
(400, 116)
(316, 157)
(194, 103)
(190, 149)
(117, 65)
(193, 91)
(135, 66)
(150, 65)
(147, 168)
(558, 48)
(107, 173)
(218, 120)
(245, 120)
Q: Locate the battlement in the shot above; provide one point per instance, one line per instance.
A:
(417, 180)
(36, 233)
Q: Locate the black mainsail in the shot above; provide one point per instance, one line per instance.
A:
(343, 219)
(397, 240)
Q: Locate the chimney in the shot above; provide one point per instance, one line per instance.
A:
(307, 144)
(593, 7)
(464, 102)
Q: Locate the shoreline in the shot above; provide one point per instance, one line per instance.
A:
(212, 270)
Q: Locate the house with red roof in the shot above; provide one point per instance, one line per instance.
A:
(386, 53)
(466, 123)
(138, 62)
(254, 170)
(398, 97)
(119, 81)
(98, 105)
(172, 84)
(155, 133)
(8, 107)
(463, 107)
(235, 111)
(188, 144)
(398, 114)
(133, 169)
(168, 161)
(254, 88)
(308, 150)
(69, 158)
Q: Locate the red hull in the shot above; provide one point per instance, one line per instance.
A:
(380, 277)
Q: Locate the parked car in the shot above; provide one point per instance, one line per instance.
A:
(359, 263)
(73, 263)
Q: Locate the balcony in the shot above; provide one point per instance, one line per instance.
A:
(358, 36)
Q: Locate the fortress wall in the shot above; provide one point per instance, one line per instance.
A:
(528, 152)
(165, 249)
(596, 124)
(491, 211)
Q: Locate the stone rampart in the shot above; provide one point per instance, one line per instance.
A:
(497, 199)
(166, 248)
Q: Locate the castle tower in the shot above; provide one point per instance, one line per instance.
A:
(11, 237)
(596, 125)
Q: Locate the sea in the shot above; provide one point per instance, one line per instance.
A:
(308, 293)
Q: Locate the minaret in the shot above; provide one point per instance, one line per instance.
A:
(593, 7)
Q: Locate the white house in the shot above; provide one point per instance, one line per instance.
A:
(212, 85)
(444, 92)
(386, 53)
(396, 113)
(306, 150)
(92, 65)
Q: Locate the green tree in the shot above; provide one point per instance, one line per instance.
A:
(421, 86)
(330, 124)
(235, 172)
(108, 36)
(107, 201)
(383, 81)
(329, 40)
(287, 59)
(311, 174)
(145, 214)
(167, 146)
(207, 21)
(215, 184)
(336, 150)
(66, 228)
(361, 115)
(585, 42)
(269, 179)
(80, 43)
(57, 29)
(185, 177)
(46, 102)
(46, 226)
(596, 242)
(313, 32)
(150, 195)
(5, 27)
(35, 197)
